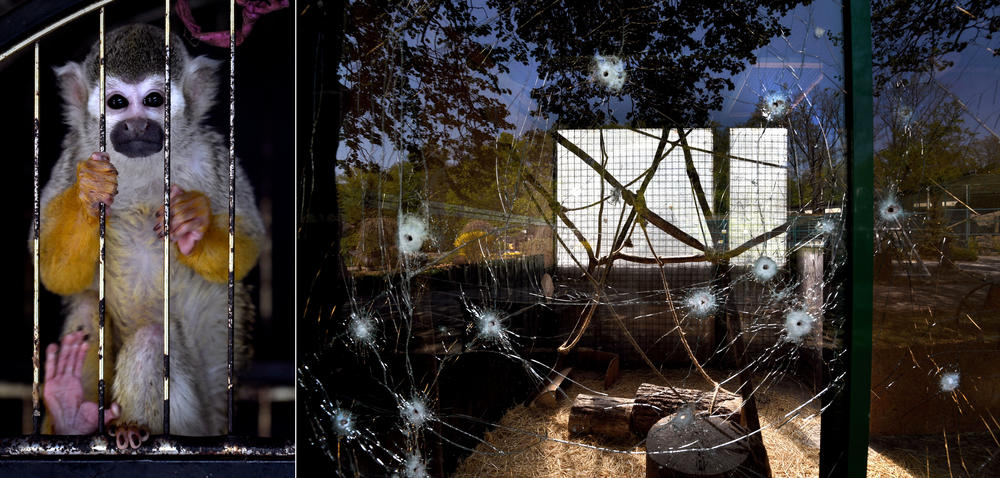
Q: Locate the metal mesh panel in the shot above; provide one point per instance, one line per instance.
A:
(758, 190)
(628, 154)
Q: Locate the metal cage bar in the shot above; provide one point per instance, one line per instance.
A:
(36, 412)
(103, 146)
(166, 219)
(232, 214)
(53, 27)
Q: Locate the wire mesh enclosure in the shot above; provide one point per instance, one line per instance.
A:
(626, 155)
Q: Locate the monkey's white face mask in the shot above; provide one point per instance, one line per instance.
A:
(135, 114)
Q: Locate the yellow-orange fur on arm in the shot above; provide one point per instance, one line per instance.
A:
(210, 256)
(68, 244)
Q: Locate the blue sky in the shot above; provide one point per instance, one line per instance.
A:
(804, 60)
(799, 65)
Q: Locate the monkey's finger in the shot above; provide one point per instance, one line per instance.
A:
(65, 353)
(97, 169)
(191, 210)
(96, 198)
(99, 183)
(50, 361)
(187, 223)
(62, 359)
(104, 172)
(112, 413)
(93, 199)
(101, 167)
(89, 189)
(99, 156)
(134, 439)
(192, 197)
(191, 207)
(78, 359)
(196, 226)
(191, 200)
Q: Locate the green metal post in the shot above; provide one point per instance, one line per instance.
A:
(860, 217)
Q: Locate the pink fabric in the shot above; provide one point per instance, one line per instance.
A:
(252, 10)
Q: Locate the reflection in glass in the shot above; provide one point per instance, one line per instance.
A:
(936, 328)
(566, 226)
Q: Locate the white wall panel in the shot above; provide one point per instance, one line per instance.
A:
(629, 154)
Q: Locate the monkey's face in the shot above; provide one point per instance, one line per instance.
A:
(135, 116)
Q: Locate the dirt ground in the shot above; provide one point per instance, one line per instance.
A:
(943, 318)
(793, 447)
(547, 450)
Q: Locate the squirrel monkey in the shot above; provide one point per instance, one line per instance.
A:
(128, 179)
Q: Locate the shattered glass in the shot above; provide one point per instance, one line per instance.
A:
(564, 225)
(934, 397)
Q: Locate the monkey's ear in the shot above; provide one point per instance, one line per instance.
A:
(74, 89)
(200, 85)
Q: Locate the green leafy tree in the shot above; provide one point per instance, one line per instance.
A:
(915, 37)
(370, 222)
(815, 125)
(678, 65)
(925, 142)
(415, 73)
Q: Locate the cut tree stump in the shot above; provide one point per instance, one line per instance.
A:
(653, 402)
(696, 435)
(617, 418)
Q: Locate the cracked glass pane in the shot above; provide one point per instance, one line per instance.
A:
(936, 320)
(576, 238)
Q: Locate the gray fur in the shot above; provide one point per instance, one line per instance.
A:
(133, 52)
(199, 161)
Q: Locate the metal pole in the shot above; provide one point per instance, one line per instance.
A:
(860, 228)
(102, 228)
(232, 210)
(166, 219)
(36, 412)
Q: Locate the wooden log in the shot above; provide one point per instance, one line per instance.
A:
(606, 417)
(696, 435)
(615, 418)
(653, 402)
(549, 396)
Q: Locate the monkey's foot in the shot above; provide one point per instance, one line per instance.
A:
(129, 435)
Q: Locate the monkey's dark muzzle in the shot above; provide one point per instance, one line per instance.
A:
(137, 137)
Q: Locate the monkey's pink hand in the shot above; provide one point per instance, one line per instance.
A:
(63, 392)
(190, 216)
(96, 181)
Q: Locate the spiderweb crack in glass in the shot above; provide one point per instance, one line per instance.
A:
(629, 192)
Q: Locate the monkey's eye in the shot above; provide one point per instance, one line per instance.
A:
(117, 102)
(153, 100)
